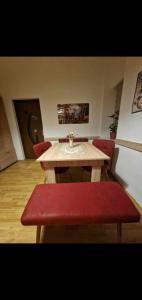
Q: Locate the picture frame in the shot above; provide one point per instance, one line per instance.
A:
(137, 101)
(73, 113)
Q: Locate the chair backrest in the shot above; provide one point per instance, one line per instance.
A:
(40, 148)
(77, 140)
(106, 146)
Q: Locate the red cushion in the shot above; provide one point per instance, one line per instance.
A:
(40, 148)
(79, 203)
(106, 146)
(77, 140)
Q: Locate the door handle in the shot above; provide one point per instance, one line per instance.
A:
(29, 123)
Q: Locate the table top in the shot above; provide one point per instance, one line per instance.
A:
(79, 152)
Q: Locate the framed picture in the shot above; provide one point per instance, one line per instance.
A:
(137, 101)
(73, 113)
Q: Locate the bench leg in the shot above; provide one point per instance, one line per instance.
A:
(38, 234)
(119, 232)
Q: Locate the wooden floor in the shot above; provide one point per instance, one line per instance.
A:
(16, 185)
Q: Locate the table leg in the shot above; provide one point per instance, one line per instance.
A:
(50, 175)
(38, 234)
(96, 174)
(119, 232)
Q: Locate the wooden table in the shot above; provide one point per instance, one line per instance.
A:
(81, 154)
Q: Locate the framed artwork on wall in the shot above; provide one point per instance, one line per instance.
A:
(73, 113)
(137, 101)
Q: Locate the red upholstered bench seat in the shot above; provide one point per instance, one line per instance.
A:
(79, 203)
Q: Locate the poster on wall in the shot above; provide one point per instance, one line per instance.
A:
(73, 113)
(137, 101)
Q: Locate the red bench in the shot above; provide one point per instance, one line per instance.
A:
(79, 203)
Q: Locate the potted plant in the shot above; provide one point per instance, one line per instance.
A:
(114, 124)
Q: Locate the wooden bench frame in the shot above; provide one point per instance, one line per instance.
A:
(119, 233)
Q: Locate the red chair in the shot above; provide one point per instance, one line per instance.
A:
(39, 149)
(76, 140)
(106, 146)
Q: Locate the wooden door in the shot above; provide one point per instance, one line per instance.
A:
(30, 124)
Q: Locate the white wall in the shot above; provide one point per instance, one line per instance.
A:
(53, 80)
(113, 74)
(129, 163)
(56, 80)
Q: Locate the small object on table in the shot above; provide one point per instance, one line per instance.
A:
(71, 137)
